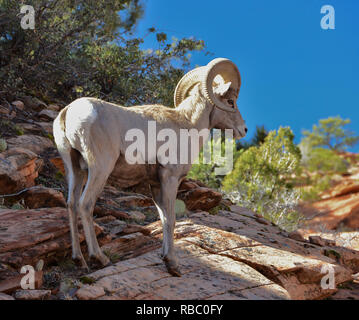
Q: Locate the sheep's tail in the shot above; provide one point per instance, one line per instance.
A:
(64, 148)
(59, 132)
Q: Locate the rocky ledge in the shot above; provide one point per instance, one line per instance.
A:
(232, 255)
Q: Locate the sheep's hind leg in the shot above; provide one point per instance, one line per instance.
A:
(97, 177)
(76, 179)
(164, 198)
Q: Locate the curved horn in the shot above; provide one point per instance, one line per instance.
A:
(205, 75)
(186, 84)
(229, 71)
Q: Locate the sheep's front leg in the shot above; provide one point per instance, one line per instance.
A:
(164, 198)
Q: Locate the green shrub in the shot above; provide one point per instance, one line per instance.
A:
(18, 130)
(59, 175)
(3, 145)
(326, 161)
(206, 172)
(87, 280)
(88, 48)
(261, 178)
(319, 165)
(18, 206)
(331, 133)
(180, 209)
(318, 184)
(10, 128)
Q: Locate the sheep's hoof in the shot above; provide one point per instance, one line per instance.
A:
(172, 267)
(80, 262)
(99, 261)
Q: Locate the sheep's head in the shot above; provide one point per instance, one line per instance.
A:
(220, 82)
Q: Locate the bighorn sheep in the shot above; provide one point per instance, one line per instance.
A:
(90, 136)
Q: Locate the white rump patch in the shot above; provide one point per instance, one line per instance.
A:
(80, 114)
(79, 118)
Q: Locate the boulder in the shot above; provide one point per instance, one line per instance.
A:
(37, 128)
(47, 115)
(42, 197)
(346, 239)
(4, 111)
(105, 219)
(133, 228)
(197, 196)
(201, 198)
(321, 241)
(53, 107)
(137, 216)
(18, 169)
(46, 126)
(30, 235)
(114, 227)
(33, 103)
(187, 185)
(90, 292)
(31, 128)
(32, 294)
(4, 296)
(18, 104)
(130, 245)
(296, 235)
(36, 144)
(101, 210)
(134, 201)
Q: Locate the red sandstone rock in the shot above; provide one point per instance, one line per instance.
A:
(54, 107)
(36, 144)
(18, 170)
(4, 297)
(32, 294)
(199, 198)
(33, 103)
(134, 201)
(30, 235)
(345, 187)
(18, 104)
(58, 163)
(48, 114)
(90, 292)
(333, 212)
(12, 284)
(252, 261)
(42, 197)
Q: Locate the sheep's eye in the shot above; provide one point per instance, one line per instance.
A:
(231, 102)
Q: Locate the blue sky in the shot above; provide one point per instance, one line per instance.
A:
(293, 72)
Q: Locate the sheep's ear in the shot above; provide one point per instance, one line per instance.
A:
(222, 88)
(218, 80)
